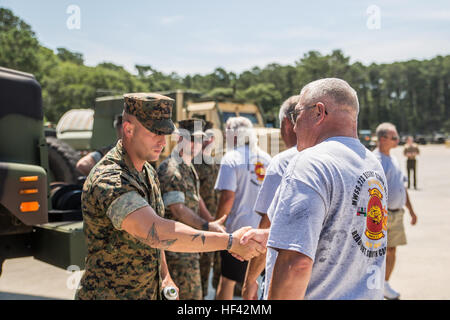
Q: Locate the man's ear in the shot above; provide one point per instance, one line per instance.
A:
(288, 124)
(128, 129)
(321, 112)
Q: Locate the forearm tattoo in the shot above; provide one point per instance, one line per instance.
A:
(153, 239)
(201, 235)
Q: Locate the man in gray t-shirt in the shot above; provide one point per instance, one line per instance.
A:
(331, 209)
(328, 219)
(397, 199)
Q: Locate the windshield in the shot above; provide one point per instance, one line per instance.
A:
(228, 115)
(250, 116)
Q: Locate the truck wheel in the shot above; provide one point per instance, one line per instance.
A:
(62, 160)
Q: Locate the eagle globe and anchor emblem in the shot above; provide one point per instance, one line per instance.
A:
(260, 171)
(376, 221)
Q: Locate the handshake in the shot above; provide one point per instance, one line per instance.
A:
(249, 243)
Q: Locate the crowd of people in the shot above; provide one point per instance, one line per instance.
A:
(320, 220)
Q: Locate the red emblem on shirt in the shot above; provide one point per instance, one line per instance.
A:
(260, 171)
(376, 216)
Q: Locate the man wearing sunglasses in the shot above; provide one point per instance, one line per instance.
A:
(327, 238)
(397, 199)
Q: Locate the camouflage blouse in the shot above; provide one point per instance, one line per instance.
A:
(179, 184)
(207, 174)
(118, 266)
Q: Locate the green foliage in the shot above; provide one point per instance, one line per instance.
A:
(157, 81)
(18, 44)
(220, 93)
(69, 56)
(414, 95)
(264, 94)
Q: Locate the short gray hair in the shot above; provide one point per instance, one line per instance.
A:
(383, 129)
(242, 128)
(338, 90)
(288, 106)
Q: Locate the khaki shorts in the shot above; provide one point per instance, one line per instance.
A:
(395, 231)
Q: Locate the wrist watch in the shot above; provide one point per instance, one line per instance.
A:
(205, 226)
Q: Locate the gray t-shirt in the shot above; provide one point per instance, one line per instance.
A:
(274, 173)
(395, 180)
(242, 172)
(331, 207)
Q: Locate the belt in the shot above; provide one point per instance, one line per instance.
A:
(394, 210)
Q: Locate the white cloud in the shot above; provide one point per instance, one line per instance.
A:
(169, 20)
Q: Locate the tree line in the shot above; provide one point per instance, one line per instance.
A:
(414, 95)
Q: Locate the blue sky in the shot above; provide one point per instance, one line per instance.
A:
(197, 36)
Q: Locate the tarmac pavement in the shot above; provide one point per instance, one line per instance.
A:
(421, 270)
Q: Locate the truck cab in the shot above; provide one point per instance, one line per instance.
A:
(28, 226)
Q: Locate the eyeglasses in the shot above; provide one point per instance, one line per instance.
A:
(294, 114)
(394, 138)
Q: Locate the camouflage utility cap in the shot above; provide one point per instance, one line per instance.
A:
(208, 129)
(193, 127)
(208, 125)
(153, 110)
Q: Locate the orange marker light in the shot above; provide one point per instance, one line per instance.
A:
(29, 179)
(29, 206)
(28, 191)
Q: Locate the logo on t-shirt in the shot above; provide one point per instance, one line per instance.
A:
(369, 199)
(376, 215)
(257, 170)
(260, 171)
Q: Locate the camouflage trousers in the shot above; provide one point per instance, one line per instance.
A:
(206, 261)
(217, 269)
(184, 269)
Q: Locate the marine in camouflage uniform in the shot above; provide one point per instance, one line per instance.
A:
(118, 266)
(207, 174)
(180, 184)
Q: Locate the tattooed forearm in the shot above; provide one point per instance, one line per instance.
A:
(153, 239)
(165, 244)
(201, 235)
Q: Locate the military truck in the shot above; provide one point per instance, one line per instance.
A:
(40, 212)
(40, 189)
(87, 129)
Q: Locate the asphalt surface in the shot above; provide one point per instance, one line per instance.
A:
(422, 266)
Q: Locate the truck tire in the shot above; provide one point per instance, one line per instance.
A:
(62, 160)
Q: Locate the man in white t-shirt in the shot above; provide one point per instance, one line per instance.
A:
(242, 171)
(274, 173)
(397, 199)
(328, 234)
